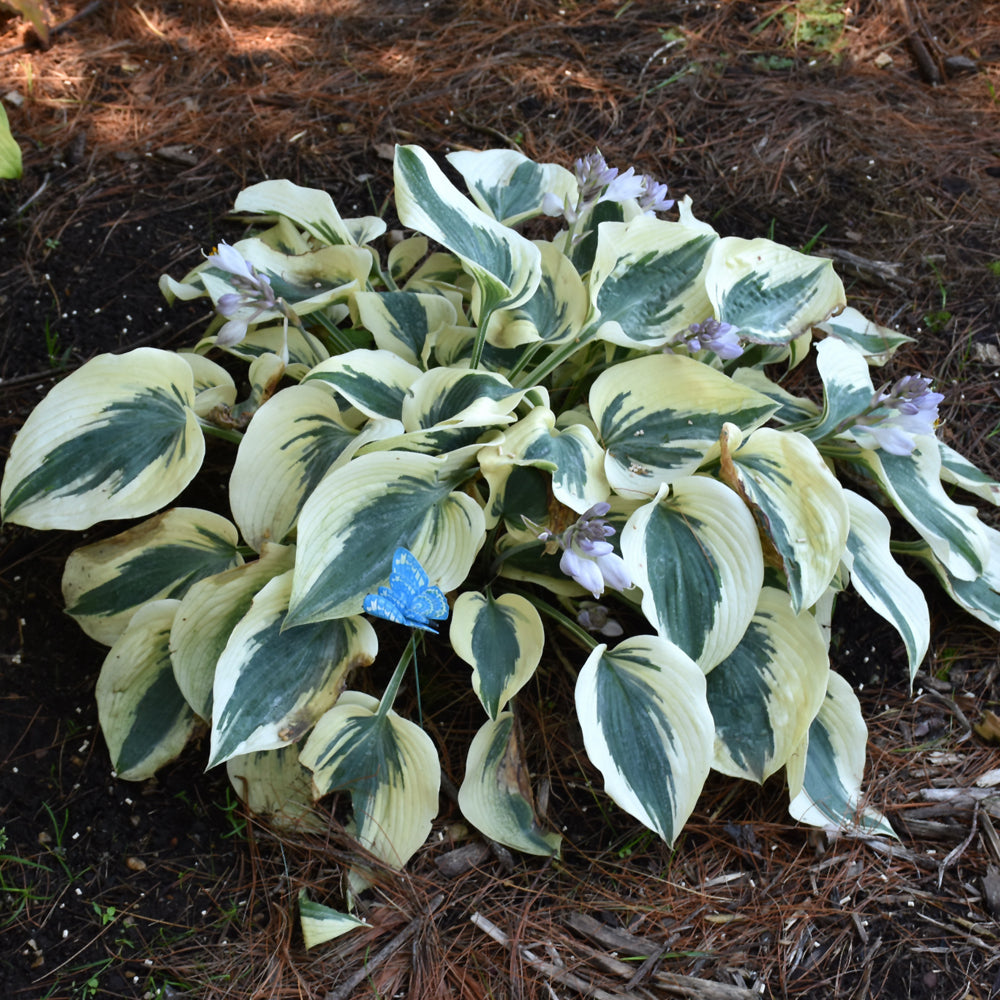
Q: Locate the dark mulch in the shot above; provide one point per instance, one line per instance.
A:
(139, 126)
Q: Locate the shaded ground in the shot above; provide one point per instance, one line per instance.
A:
(139, 126)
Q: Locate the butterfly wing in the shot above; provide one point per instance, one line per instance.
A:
(409, 599)
(384, 605)
(431, 603)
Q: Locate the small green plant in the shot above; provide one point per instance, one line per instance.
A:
(233, 812)
(994, 268)
(937, 319)
(53, 348)
(816, 23)
(18, 886)
(106, 914)
(506, 441)
(772, 63)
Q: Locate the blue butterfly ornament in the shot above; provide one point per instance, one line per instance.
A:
(409, 599)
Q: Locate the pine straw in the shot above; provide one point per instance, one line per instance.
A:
(207, 97)
(748, 902)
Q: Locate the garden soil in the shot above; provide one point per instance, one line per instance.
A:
(868, 134)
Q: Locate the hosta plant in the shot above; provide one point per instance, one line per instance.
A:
(549, 415)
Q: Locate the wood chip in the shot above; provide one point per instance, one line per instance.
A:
(463, 859)
(178, 154)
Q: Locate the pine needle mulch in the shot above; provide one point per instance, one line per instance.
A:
(875, 143)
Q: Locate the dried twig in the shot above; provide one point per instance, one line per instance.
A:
(685, 986)
(346, 988)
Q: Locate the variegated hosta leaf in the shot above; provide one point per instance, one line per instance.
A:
(510, 187)
(362, 512)
(313, 210)
(876, 343)
(798, 503)
(572, 451)
(771, 293)
(648, 729)
(696, 556)
(454, 346)
(295, 439)
(572, 456)
(881, 581)
(847, 386)
(439, 274)
(958, 470)
(274, 784)
(209, 612)
(647, 284)
(273, 683)
(515, 490)
(501, 640)
(213, 385)
(792, 409)
(143, 715)
(980, 597)
(10, 151)
(391, 769)
(265, 373)
(825, 773)
(376, 382)
(405, 256)
(405, 323)
(304, 350)
(505, 265)
(449, 409)
(660, 417)
(555, 314)
(765, 694)
(103, 584)
(459, 398)
(496, 796)
(913, 485)
(118, 438)
(798, 349)
(322, 923)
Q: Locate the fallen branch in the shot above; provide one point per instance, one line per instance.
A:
(684, 986)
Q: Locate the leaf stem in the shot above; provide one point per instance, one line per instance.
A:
(556, 358)
(220, 432)
(392, 688)
(333, 333)
(575, 630)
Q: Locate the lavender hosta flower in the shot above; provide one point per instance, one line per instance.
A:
(597, 182)
(714, 335)
(624, 187)
(587, 557)
(254, 297)
(593, 174)
(227, 258)
(595, 618)
(653, 197)
(908, 410)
